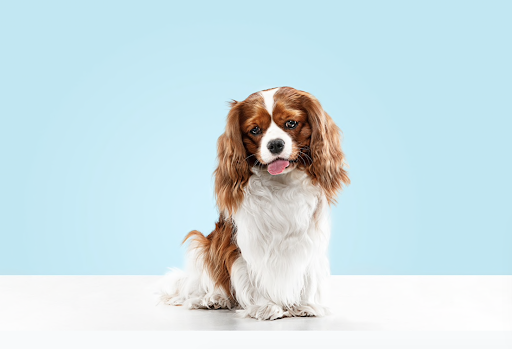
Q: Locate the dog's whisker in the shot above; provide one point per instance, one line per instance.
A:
(250, 156)
(307, 156)
(302, 159)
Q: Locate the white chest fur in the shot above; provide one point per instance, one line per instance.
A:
(282, 231)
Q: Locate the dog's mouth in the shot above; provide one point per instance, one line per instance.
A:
(278, 166)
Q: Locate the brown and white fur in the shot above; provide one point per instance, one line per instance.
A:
(268, 252)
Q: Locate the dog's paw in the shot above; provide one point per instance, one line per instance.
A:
(268, 311)
(307, 310)
(218, 301)
(215, 301)
(172, 300)
(302, 311)
(195, 303)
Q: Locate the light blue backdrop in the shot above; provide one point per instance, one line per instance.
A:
(110, 113)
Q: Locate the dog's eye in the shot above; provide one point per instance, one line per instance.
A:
(256, 131)
(291, 124)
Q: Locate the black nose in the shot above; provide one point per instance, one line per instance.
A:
(275, 146)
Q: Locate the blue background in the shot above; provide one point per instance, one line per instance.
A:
(110, 112)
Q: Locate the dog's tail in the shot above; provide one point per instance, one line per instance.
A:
(208, 265)
(177, 286)
(199, 236)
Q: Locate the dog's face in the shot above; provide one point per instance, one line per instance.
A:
(278, 130)
(275, 131)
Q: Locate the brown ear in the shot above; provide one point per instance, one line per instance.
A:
(328, 166)
(233, 170)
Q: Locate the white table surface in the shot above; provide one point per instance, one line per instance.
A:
(359, 303)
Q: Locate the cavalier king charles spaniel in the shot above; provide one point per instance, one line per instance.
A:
(280, 167)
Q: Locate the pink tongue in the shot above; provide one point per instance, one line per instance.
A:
(277, 167)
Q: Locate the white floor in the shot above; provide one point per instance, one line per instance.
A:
(360, 303)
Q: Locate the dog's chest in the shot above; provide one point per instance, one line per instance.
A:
(276, 217)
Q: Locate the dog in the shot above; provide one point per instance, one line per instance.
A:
(280, 167)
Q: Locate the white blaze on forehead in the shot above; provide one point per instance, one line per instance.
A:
(273, 132)
(268, 99)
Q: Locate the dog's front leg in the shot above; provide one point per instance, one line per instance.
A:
(252, 302)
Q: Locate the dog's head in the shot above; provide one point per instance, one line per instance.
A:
(278, 130)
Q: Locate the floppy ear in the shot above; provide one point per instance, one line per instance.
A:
(328, 166)
(233, 172)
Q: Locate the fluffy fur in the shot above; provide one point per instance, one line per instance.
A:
(268, 252)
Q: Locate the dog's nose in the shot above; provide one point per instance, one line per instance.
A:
(275, 146)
